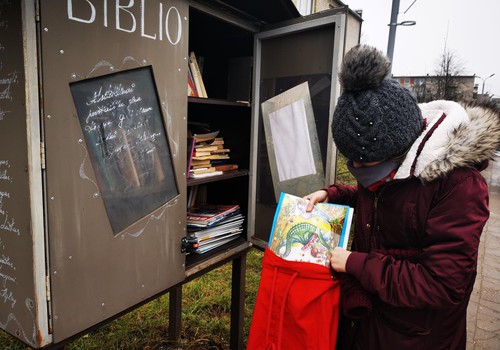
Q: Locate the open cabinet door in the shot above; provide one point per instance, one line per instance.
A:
(295, 90)
(23, 306)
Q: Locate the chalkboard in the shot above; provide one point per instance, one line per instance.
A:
(123, 127)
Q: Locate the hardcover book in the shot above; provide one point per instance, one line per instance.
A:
(297, 235)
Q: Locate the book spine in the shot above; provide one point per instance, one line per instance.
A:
(203, 170)
(191, 143)
(200, 86)
(191, 85)
(226, 167)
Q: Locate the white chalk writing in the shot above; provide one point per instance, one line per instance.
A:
(7, 296)
(168, 24)
(119, 122)
(5, 84)
(2, 195)
(100, 110)
(7, 278)
(4, 175)
(5, 261)
(113, 92)
(3, 114)
(9, 225)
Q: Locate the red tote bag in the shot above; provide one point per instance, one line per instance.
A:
(297, 306)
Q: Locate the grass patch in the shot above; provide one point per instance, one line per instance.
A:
(343, 175)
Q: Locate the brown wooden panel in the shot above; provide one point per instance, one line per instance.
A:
(95, 272)
(18, 298)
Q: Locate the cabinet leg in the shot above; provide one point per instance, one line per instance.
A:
(238, 302)
(175, 313)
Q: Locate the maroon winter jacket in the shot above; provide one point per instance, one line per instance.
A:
(416, 238)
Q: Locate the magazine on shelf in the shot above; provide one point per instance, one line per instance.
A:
(214, 244)
(202, 240)
(297, 235)
(228, 223)
(208, 214)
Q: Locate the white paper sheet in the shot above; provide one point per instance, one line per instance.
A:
(292, 145)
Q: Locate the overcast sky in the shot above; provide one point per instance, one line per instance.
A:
(469, 29)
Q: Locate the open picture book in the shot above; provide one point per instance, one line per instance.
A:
(297, 235)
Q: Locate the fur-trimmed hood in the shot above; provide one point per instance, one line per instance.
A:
(455, 136)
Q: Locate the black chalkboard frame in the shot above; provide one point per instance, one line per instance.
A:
(128, 144)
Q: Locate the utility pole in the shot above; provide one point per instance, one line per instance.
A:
(484, 81)
(392, 29)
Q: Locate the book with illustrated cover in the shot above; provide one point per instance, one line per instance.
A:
(297, 235)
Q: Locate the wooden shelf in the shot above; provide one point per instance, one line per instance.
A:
(224, 176)
(217, 101)
(195, 263)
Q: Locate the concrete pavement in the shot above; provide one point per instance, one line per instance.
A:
(483, 314)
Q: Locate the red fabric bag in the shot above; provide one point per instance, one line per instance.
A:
(297, 306)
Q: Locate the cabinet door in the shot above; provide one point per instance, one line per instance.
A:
(23, 306)
(295, 86)
(115, 129)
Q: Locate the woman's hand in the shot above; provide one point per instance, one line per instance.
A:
(339, 259)
(315, 197)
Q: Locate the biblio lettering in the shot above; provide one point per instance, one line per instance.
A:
(127, 20)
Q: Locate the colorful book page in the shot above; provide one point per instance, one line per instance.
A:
(297, 235)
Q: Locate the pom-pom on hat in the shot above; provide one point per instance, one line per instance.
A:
(375, 118)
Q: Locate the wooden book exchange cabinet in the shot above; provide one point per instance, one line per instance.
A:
(94, 122)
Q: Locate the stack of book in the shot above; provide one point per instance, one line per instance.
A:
(196, 87)
(208, 157)
(210, 226)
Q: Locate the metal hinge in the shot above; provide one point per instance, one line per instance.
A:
(37, 12)
(49, 307)
(42, 154)
(47, 287)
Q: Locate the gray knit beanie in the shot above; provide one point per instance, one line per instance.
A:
(375, 118)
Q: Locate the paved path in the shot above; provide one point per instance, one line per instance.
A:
(483, 321)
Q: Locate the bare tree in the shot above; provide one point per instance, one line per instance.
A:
(448, 68)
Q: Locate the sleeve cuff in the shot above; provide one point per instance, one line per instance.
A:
(355, 263)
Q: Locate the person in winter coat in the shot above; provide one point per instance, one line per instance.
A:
(420, 207)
